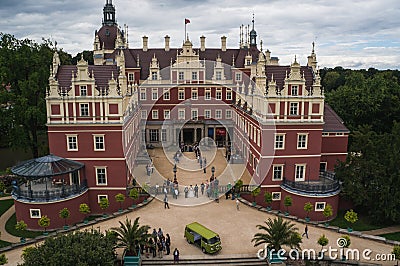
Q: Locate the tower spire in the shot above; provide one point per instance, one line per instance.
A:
(253, 35)
(252, 21)
(109, 14)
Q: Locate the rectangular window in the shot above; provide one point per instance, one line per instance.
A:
(181, 75)
(228, 114)
(276, 196)
(98, 142)
(35, 213)
(194, 75)
(154, 94)
(324, 134)
(83, 90)
(294, 108)
(100, 197)
(101, 176)
(84, 108)
(218, 114)
(167, 114)
(131, 77)
(143, 114)
(229, 95)
(181, 114)
(195, 114)
(279, 141)
(154, 135)
(163, 135)
(143, 94)
(238, 76)
(218, 95)
(323, 166)
(154, 114)
(181, 94)
(302, 141)
(294, 90)
(320, 206)
(72, 142)
(208, 94)
(154, 75)
(300, 172)
(339, 134)
(194, 94)
(277, 172)
(207, 114)
(166, 94)
(218, 75)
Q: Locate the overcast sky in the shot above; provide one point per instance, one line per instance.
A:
(352, 34)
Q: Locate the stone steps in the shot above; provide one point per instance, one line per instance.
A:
(240, 261)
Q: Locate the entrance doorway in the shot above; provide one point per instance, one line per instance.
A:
(188, 135)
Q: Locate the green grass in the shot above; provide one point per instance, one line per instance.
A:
(392, 236)
(363, 224)
(4, 244)
(5, 205)
(10, 228)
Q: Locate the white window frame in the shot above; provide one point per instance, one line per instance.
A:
(167, 114)
(195, 94)
(131, 76)
(154, 132)
(181, 75)
(154, 94)
(194, 75)
(154, 114)
(218, 75)
(154, 75)
(218, 95)
(228, 114)
(294, 90)
(302, 144)
(325, 134)
(207, 94)
(181, 92)
(297, 166)
(166, 95)
(143, 114)
(276, 198)
(294, 108)
(95, 136)
(196, 112)
(35, 216)
(99, 197)
(218, 114)
(207, 114)
(163, 134)
(238, 76)
(281, 166)
(319, 203)
(181, 117)
(276, 142)
(97, 168)
(228, 95)
(83, 106)
(339, 134)
(83, 91)
(143, 94)
(70, 142)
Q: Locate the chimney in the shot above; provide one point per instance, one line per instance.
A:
(202, 43)
(223, 44)
(145, 43)
(166, 42)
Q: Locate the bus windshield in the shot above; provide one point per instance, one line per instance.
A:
(213, 240)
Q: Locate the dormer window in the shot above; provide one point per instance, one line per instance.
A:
(154, 75)
(131, 77)
(248, 62)
(218, 75)
(83, 91)
(295, 90)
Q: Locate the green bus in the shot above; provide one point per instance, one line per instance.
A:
(207, 240)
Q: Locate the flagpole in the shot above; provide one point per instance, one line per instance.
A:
(184, 38)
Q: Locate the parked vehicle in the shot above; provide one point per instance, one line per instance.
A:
(201, 236)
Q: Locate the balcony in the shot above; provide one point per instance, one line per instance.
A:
(327, 184)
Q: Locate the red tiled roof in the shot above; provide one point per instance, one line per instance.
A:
(333, 123)
(102, 74)
(279, 73)
(107, 36)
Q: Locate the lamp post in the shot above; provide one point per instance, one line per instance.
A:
(212, 171)
(174, 170)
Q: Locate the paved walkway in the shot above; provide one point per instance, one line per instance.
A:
(5, 236)
(382, 231)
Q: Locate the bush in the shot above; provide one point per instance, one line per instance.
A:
(351, 216)
(308, 207)
(104, 203)
(323, 241)
(44, 222)
(64, 214)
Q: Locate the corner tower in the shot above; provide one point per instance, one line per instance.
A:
(109, 14)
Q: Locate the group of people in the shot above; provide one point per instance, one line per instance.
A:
(160, 245)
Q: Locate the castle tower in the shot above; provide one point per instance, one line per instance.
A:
(109, 14)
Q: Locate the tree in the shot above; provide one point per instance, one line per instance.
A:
(64, 214)
(3, 259)
(2, 187)
(104, 203)
(351, 217)
(323, 241)
(44, 222)
(255, 192)
(328, 211)
(120, 198)
(76, 248)
(396, 252)
(84, 209)
(131, 236)
(277, 233)
(238, 186)
(308, 207)
(134, 195)
(288, 201)
(268, 199)
(21, 226)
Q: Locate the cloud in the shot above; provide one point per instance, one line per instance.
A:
(354, 34)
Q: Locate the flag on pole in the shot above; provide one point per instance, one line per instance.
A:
(187, 21)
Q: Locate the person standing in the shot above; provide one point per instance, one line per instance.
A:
(166, 202)
(160, 249)
(176, 255)
(202, 186)
(186, 190)
(168, 244)
(305, 231)
(237, 204)
(196, 191)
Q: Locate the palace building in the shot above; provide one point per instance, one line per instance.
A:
(270, 117)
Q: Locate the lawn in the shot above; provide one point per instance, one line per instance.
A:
(4, 244)
(10, 228)
(363, 224)
(392, 236)
(5, 205)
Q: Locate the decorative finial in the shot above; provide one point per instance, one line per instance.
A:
(233, 60)
(261, 42)
(138, 61)
(295, 59)
(313, 46)
(253, 21)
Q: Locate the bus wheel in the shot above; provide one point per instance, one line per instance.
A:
(187, 239)
(203, 249)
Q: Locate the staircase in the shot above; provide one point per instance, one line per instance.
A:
(207, 260)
